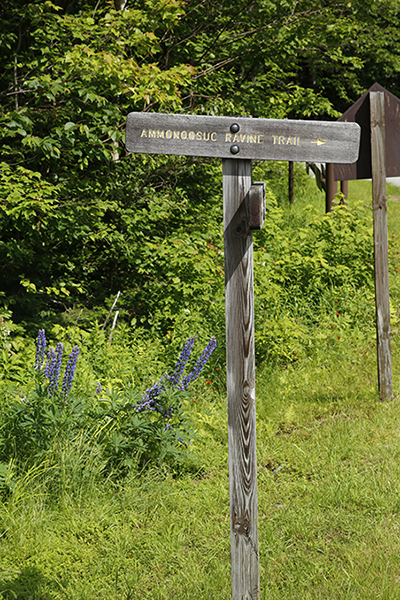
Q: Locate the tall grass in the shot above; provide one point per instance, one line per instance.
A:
(328, 484)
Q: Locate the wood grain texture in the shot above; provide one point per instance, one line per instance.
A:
(381, 245)
(258, 139)
(291, 182)
(257, 207)
(240, 367)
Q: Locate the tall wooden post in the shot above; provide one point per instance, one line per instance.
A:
(330, 187)
(377, 105)
(257, 139)
(291, 182)
(240, 368)
(344, 188)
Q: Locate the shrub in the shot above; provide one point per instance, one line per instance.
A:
(128, 426)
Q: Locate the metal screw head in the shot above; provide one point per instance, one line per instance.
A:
(235, 149)
(235, 127)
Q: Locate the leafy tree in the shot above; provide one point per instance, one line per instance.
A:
(79, 218)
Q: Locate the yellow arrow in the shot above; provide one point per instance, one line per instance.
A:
(318, 141)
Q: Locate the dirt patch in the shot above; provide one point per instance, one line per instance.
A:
(392, 198)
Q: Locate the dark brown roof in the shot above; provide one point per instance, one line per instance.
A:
(359, 112)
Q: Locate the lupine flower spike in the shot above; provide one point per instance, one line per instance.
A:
(50, 362)
(70, 371)
(55, 374)
(150, 396)
(40, 349)
(201, 363)
(183, 359)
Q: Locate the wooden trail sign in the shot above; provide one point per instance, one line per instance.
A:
(243, 138)
(237, 141)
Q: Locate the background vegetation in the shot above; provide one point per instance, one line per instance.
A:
(80, 219)
(97, 498)
(82, 516)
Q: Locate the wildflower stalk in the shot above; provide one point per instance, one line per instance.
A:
(70, 371)
(55, 375)
(40, 349)
(151, 396)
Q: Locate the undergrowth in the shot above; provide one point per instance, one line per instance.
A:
(74, 525)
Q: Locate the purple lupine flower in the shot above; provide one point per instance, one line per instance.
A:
(40, 349)
(55, 374)
(150, 395)
(149, 400)
(183, 359)
(70, 371)
(99, 388)
(50, 362)
(200, 364)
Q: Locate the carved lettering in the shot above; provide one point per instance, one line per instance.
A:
(169, 134)
(206, 136)
(282, 140)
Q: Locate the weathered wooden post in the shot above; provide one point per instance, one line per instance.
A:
(378, 114)
(291, 182)
(344, 188)
(331, 187)
(240, 375)
(237, 141)
(379, 205)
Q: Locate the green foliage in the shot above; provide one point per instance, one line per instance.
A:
(328, 496)
(313, 271)
(34, 425)
(79, 219)
(129, 427)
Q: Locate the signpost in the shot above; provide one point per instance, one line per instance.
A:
(379, 206)
(238, 141)
(378, 114)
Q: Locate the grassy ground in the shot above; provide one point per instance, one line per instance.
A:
(328, 484)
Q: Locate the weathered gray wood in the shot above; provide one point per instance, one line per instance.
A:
(257, 205)
(240, 368)
(291, 182)
(243, 138)
(381, 245)
(331, 187)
